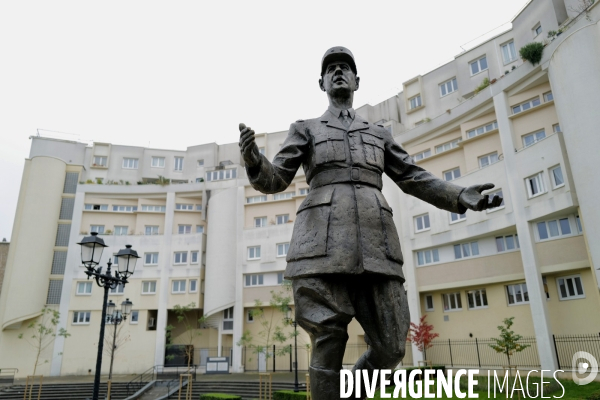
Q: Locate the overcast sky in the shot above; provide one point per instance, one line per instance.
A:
(173, 74)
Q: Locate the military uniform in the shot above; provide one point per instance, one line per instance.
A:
(344, 257)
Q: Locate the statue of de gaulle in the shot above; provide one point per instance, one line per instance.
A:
(344, 258)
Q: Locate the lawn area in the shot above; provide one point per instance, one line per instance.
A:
(572, 391)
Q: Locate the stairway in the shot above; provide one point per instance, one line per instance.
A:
(248, 390)
(72, 391)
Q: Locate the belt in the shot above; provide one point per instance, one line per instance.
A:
(347, 175)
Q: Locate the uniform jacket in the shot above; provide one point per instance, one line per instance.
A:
(347, 227)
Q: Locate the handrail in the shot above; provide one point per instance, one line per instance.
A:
(7, 375)
(138, 385)
(155, 372)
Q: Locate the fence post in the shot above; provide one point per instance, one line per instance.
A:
(478, 359)
(290, 358)
(273, 358)
(450, 348)
(556, 350)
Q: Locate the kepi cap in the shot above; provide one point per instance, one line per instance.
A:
(338, 53)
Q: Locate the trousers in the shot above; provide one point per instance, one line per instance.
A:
(326, 304)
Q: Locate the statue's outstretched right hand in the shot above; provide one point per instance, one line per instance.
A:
(248, 146)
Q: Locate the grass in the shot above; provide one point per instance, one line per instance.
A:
(572, 391)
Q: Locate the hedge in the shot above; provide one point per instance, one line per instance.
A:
(219, 396)
(289, 395)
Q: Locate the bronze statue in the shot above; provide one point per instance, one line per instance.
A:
(344, 258)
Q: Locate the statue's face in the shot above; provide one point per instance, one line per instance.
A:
(338, 76)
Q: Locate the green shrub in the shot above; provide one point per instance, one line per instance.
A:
(219, 396)
(289, 395)
(532, 52)
(485, 83)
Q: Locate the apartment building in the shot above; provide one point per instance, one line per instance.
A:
(4, 245)
(205, 236)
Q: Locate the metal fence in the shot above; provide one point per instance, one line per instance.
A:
(567, 345)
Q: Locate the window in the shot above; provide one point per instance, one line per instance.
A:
(121, 230)
(151, 230)
(422, 223)
(282, 219)
(279, 278)
(134, 317)
(477, 299)
(465, 250)
(578, 223)
(256, 199)
(534, 137)
(478, 66)
(422, 155)
(254, 253)
(491, 196)
(452, 301)
(570, 287)
(148, 287)
(452, 174)
(198, 207)
(178, 286)
(428, 257)
(414, 102)
(526, 106)
(118, 289)
(454, 217)
(81, 317)
(535, 185)
(448, 87)
(148, 207)
(96, 207)
(428, 302)
(260, 222)
(480, 130)
(194, 256)
(180, 257)
(220, 175)
(556, 128)
(188, 207)
(509, 53)
(249, 316)
(507, 243)
(124, 208)
(447, 146)
(488, 159)
(158, 162)
(199, 228)
(517, 294)
(303, 191)
(261, 150)
(548, 96)
(193, 285)
(537, 30)
(282, 249)
(84, 288)
(150, 258)
(254, 279)
(554, 228)
(178, 164)
(97, 228)
(130, 163)
(283, 196)
(115, 260)
(99, 161)
(184, 229)
(200, 163)
(557, 177)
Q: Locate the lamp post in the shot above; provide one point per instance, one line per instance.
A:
(295, 324)
(115, 318)
(91, 252)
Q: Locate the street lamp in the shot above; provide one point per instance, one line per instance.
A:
(115, 318)
(293, 322)
(91, 252)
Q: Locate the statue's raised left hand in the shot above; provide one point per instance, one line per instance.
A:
(472, 198)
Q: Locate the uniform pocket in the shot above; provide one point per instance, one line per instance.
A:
(309, 238)
(329, 147)
(374, 149)
(392, 242)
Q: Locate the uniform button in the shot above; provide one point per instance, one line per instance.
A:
(358, 186)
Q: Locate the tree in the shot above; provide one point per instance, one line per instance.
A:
(421, 335)
(272, 328)
(508, 342)
(43, 333)
(112, 344)
(190, 326)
